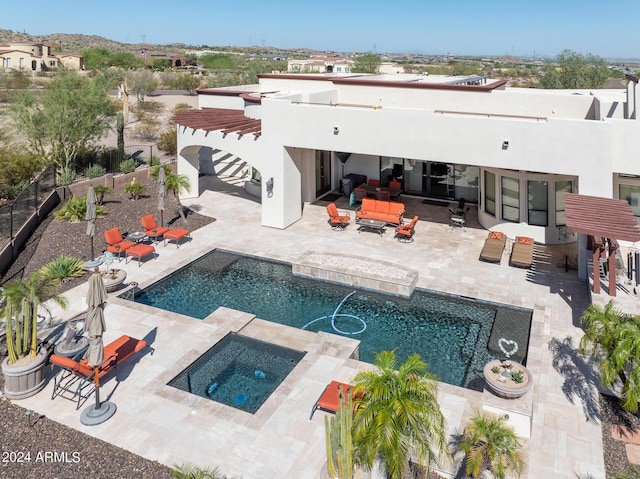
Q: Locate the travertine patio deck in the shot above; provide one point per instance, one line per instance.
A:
(167, 425)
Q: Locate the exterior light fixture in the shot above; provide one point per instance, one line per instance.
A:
(270, 187)
(505, 144)
(336, 130)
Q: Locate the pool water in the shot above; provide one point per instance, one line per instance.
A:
(238, 371)
(456, 336)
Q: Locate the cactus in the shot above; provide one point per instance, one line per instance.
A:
(120, 129)
(339, 441)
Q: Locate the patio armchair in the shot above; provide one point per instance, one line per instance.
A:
(337, 221)
(151, 228)
(116, 244)
(77, 380)
(404, 233)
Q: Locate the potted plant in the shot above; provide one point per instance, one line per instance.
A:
(507, 379)
(23, 368)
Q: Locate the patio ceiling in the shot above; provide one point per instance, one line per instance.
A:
(219, 119)
(601, 217)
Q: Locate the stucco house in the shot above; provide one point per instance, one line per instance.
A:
(36, 57)
(514, 152)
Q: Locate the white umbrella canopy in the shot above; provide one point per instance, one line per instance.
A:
(95, 326)
(162, 181)
(91, 215)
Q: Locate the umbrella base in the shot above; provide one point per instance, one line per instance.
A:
(92, 416)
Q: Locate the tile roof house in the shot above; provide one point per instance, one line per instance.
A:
(36, 57)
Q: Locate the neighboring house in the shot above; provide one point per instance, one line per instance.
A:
(514, 152)
(36, 57)
(320, 65)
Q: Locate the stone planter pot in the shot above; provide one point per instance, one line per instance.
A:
(24, 379)
(112, 284)
(502, 384)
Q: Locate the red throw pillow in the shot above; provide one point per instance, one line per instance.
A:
(496, 235)
(524, 240)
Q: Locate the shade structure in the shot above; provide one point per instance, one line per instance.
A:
(91, 216)
(95, 327)
(162, 182)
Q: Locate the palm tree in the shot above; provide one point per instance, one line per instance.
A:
(397, 411)
(177, 184)
(614, 340)
(489, 443)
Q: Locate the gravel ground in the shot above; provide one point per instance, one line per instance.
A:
(78, 455)
(85, 455)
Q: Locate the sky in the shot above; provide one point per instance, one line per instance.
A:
(458, 27)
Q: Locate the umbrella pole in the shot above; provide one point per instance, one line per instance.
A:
(92, 255)
(161, 217)
(97, 388)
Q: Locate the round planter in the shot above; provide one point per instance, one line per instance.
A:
(112, 284)
(23, 380)
(502, 384)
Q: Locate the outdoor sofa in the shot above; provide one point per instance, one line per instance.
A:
(391, 212)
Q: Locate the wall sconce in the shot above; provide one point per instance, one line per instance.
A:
(336, 130)
(505, 144)
(270, 187)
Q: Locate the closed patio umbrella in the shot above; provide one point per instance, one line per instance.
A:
(91, 216)
(95, 327)
(162, 181)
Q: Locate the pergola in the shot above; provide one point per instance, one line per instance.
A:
(603, 220)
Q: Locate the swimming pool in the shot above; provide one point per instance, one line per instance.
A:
(238, 371)
(456, 336)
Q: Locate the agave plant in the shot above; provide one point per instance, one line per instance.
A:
(63, 268)
(23, 299)
(192, 472)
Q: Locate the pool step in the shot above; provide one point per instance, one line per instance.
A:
(357, 272)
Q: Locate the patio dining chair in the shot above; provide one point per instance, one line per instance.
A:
(383, 195)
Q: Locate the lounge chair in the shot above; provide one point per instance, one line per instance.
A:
(151, 228)
(522, 252)
(77, 379)
(404, 233)
(336, 220)
(493, 247)
(116, 244)
(329, 400)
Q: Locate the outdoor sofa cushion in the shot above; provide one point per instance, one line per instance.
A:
(390, 212)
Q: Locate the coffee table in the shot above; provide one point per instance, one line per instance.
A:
(376, 226)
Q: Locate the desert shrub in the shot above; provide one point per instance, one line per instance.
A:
(102, 190)
(180, 107)
(147, 128)
(147, 107)
(63, 268)
(135, 190)
(154, 161)
(66, 176)
(76, 209)
(128, 166)
(168, 141)
(95, 171)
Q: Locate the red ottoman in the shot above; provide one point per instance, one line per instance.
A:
(139, 251)
(175, 234)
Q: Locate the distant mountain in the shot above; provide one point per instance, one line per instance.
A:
(76, 42)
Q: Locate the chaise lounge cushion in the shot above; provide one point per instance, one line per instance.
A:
(522, 252)
(390, 212)
(493, 247)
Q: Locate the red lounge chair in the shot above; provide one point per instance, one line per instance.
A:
(77, 377)
(115, 242)
(151, 228)
(336, 220)
(139, 251)
(404, 233)
(330, 398)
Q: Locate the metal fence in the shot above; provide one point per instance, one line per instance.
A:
(110, 159)
(22, 216)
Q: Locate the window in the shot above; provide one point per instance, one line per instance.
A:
(631, 194)
(338, 69)
(346, 69)
(510, 199)
(490, 193)
(562, 187)
(21, 62)
(538, 202)
(8, 62)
